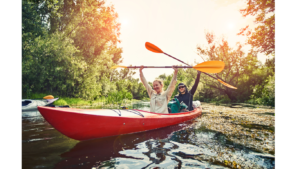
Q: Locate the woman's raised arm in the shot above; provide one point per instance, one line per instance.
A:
(172, 84)
(145, 83)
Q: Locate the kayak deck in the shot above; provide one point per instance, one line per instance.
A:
(84, 124)
(116, 112)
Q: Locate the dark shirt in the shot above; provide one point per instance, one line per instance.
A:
(187, 97)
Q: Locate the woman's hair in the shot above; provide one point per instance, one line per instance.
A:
(161, 82)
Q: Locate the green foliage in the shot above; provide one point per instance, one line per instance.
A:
(36, 16)
(68, 48)
(264, 95)
(71, 102)
(119, 97)
(50, 65)
(224, 99)
(241, 70)
(60, 102)
(76, 101)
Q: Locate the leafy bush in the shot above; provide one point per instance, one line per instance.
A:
(76, 101)
(60, 102)
(264, 95)
(225, 99)
(118, 97)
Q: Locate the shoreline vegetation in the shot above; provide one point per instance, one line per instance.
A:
(119, 101)
(110, 102)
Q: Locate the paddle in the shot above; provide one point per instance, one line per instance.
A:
(209, 66)
(156, 49)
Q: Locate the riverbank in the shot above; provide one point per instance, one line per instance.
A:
(250, 127)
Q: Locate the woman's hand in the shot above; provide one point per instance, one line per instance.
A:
(175, 69)
(141, 68)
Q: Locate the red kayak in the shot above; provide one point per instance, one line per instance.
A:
(85, 124)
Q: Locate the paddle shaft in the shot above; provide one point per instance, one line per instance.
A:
(189, 65)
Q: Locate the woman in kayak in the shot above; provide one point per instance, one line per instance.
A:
(158, 97)
(186, 96)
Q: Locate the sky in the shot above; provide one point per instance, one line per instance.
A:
(176, 27)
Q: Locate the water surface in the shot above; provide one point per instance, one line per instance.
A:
(186, 145)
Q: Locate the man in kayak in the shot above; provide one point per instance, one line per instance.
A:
(158, 97)
(186, 96)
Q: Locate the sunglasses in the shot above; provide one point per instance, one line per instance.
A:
(180, 87)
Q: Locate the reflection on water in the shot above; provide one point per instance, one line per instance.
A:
(42, 144)
(31, 114)
(136, 150)
(185, 145)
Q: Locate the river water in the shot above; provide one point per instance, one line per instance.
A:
(178, 146)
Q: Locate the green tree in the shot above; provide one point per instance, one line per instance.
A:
(68, 47)
(263, 37)
(264, 93)
(36, 16)
(50, 65)
(241, 70)
(35, 19)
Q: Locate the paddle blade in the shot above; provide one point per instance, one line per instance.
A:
(228, 85)
(153, 48)
(210, 66)
(118, 66)
(48, 97)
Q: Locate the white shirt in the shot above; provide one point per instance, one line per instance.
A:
(159, 102)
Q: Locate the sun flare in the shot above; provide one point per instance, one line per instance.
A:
(230, 25)
(124, 22)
